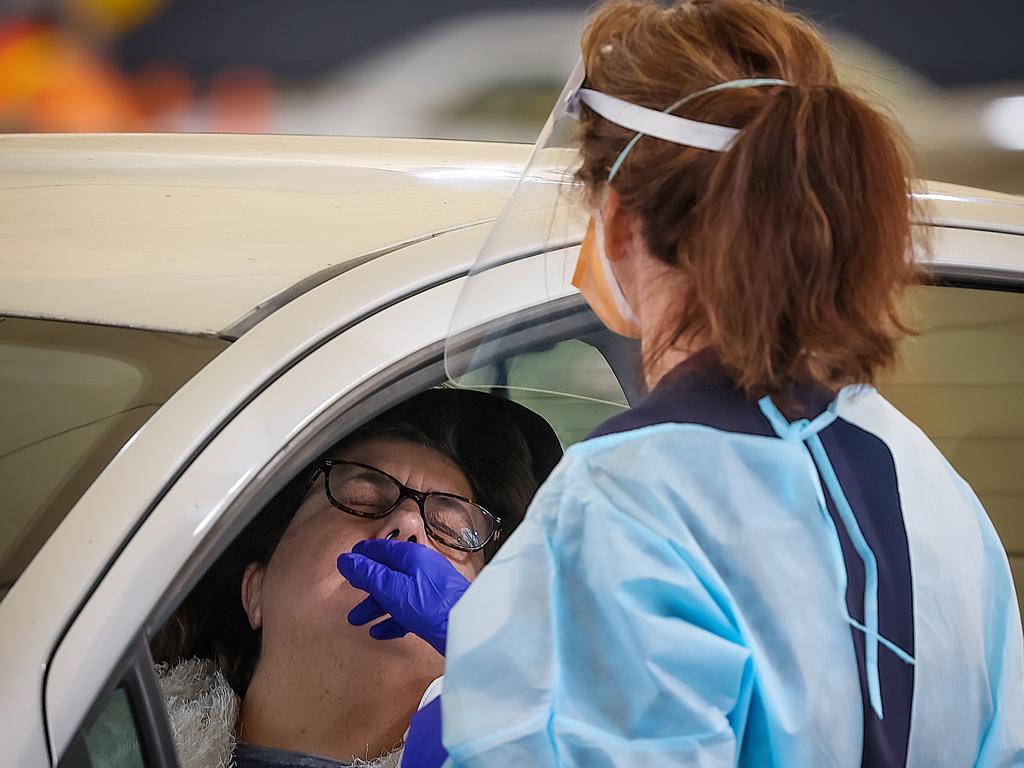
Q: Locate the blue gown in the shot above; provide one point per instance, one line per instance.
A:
(702, 583)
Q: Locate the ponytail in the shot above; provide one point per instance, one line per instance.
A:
(800, 247)
(794, 245)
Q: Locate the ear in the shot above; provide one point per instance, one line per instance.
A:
(252, 593)
(620, 227)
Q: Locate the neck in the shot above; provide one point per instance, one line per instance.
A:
(655, 369)
(335, 711)
(660, 290)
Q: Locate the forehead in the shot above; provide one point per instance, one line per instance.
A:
(409, 462)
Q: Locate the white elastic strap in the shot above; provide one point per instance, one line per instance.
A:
(606, 266)
(808, 433)
(660, 125)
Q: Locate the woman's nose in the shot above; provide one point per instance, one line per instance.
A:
(405, 523)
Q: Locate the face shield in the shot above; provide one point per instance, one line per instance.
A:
(539, 228)
(520, 328)
(522, 281)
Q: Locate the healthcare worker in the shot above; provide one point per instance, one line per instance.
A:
(764, 563)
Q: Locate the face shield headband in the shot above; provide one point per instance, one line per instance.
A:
(663, 125)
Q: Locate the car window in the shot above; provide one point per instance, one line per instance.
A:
(126, 726)
(113, 741)
(962, 382)
(570, 384)
(71, 395)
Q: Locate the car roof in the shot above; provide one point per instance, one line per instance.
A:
(198, 233)
(191, 232)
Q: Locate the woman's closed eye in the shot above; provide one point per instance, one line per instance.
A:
(366, 493)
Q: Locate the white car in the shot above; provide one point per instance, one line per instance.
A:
(186, 321)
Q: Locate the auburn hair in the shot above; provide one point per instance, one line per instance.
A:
(795, 244)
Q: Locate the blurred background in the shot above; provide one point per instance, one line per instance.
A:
(951, 72)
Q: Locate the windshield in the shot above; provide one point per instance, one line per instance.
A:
(71, 395)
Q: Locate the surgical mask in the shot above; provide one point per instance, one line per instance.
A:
(596, 280)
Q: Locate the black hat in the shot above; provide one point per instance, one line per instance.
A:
(505, 449)
(487, 412)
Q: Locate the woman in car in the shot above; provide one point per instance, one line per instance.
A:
(448, 475)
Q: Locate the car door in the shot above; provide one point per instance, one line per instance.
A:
(104, 645)
(109, 635)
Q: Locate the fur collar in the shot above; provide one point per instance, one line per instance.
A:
(203, 710)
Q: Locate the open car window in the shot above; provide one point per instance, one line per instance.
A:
(571, 383)
(579, 351)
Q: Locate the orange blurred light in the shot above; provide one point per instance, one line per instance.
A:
(50, 82)
(241, 101)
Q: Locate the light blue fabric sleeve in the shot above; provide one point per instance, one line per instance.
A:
(593, 640)
(1003, 742)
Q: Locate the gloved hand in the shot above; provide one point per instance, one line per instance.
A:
(423, 747)
(414, 584)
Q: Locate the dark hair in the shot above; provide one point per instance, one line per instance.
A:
(795, 244)
(504, 450)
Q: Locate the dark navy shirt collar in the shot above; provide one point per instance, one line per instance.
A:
(699, 390)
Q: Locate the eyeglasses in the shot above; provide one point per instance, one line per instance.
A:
(366, 491)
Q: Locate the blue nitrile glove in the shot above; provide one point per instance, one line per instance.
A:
(414, 584)
(423, 747)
